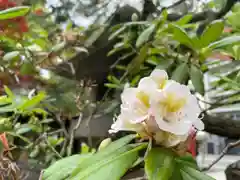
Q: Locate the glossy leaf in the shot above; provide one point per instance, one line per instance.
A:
(225, 42)
(181, 73)
(159, 164)
(181, 36)
(196, 76)
(14, 12)
(187, 160)
(212, 33)
(112, 166)
(63, 168)
(145, 35)
(112, 148)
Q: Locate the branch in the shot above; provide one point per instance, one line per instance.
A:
(216, 124)
(223, 153)
(205, 14)
(72, 136)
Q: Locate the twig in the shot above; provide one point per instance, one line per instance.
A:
(223, 153)
(52, 148)
(69, 152)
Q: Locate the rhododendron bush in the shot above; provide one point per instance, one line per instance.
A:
(164, 114)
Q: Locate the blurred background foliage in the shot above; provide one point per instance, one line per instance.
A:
(60, 58)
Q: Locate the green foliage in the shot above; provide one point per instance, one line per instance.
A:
(108, 163)
(196, 76)
(164, 164)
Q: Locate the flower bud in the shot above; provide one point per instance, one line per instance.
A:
(104, 143)
(134, 17)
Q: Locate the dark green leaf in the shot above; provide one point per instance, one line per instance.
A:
(181, 73)
(63, 168)
(196, 76)
(164, 63)
(136, 63)
(145, 35)
(181, 36)
(159, 164)
(14, 12)
(11, 56)
(212, 33)
(231, 40)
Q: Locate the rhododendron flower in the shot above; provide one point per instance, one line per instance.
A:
(159, 108)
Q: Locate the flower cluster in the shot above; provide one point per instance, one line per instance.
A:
(13, 27)
(159, 108)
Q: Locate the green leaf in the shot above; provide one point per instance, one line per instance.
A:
(196, 76)
(159, 164)
(181, 36)
(117, 32)
(14, 12)
(184, 20)
(24, 128)
(145, 35)
(33, 102)
(8, 92)
(27, 68)
(135, 65)
(231, 40)
(112, 148)
(112, 166)
(180, 74)
(59, 47)
(11, 56)
(187, 160)
(189, 173)
(63, 168)
(165, 63)
(212, 32)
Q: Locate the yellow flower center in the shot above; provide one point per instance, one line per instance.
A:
(173, 104)
(144, 98)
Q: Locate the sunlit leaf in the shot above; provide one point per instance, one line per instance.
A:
(33, 102)
(64, 167)
(212, 32)
(14, 12)
(231, 40)
(11, 55)
(181, 36)
(145, 35)
(184, 20)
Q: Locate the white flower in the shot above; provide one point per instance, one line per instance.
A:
(123, 123)
(175, 109)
